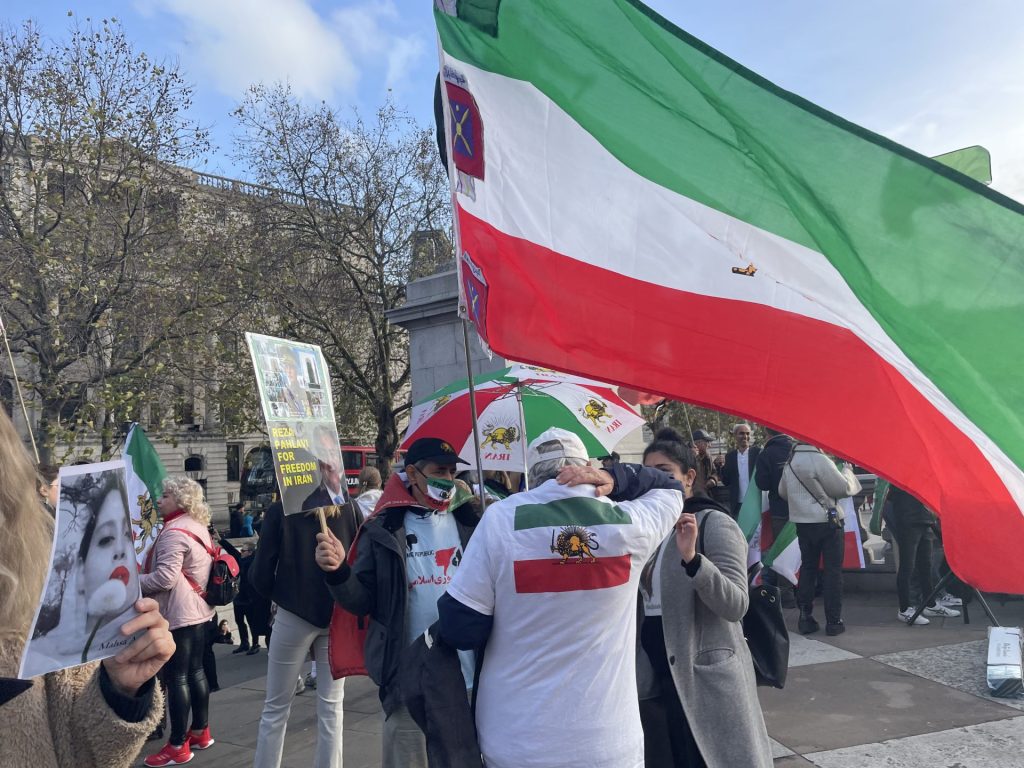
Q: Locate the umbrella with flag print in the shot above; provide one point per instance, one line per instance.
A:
(515, 405)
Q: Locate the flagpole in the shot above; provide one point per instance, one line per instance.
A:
(472, 415)
(522, 426)
(17, 384)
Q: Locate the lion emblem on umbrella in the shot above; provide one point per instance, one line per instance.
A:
(595, 411)
(503, 436)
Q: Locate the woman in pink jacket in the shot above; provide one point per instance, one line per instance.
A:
(177, 570)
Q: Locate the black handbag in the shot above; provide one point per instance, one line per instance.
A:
(764, 626)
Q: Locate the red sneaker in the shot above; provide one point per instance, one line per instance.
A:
(170, 755)
(201, 739)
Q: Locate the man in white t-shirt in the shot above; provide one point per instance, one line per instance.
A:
(550, 585)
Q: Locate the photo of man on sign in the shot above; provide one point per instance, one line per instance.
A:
(332, 488)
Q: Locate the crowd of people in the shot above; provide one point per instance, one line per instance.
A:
(609, 600)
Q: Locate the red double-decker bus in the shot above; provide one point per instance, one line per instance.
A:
(355, 457)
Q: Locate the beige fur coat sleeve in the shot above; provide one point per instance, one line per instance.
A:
(63, 721)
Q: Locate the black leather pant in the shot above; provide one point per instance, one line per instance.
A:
(187, 689)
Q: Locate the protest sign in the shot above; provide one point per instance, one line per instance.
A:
(295, 392)
(93, 581)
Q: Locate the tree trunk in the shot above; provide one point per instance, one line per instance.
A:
(46, 434)
(386, 442)
(107, 433)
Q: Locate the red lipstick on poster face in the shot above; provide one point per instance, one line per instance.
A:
(121, 574)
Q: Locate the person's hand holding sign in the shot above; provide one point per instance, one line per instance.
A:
(330, 553)
(139, 662)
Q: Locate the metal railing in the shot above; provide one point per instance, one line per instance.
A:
(244, 187)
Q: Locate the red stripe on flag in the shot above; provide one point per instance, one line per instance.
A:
(808, 377)
(767, 537)
(551, 575)
(852, 554)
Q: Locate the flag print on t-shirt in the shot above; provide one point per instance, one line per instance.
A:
(433, 550)
(571, 544)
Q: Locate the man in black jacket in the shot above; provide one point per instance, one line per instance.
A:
(406, 555)
(739, 467)
(284, 570)
(768, 472)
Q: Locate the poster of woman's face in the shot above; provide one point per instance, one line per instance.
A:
(93, 582)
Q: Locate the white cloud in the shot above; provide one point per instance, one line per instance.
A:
(365, 28)
(985, 108)
(235, 43)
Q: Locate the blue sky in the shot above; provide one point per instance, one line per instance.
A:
(935, 75)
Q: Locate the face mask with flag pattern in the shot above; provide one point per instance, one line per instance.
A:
(439, 493)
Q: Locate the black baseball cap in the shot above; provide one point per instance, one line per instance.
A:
(700, 434)
(432, 449)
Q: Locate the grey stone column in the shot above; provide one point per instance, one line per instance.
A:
(437, 354)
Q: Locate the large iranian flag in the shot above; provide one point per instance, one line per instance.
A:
(634, 206)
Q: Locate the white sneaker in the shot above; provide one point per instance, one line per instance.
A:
(941, 610)
(950, 601)
(905, 617)
(300, 686)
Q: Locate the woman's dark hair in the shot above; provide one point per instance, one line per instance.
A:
(47, 473)
(670, 443)
(109, 482)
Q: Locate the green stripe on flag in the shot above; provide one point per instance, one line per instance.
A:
(146, 464)
(786, 537)
(577, 510)
(482, 14)
(933, 255)
(881, 492)
(750, 510)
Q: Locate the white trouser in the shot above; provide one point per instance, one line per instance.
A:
(289, 643)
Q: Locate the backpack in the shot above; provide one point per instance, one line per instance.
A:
(223, 584)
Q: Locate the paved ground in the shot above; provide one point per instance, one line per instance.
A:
(883, 694)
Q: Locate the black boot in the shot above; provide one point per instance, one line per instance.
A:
(807, 624)
(833, 628)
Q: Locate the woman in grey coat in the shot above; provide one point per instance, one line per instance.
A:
(698, 693)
